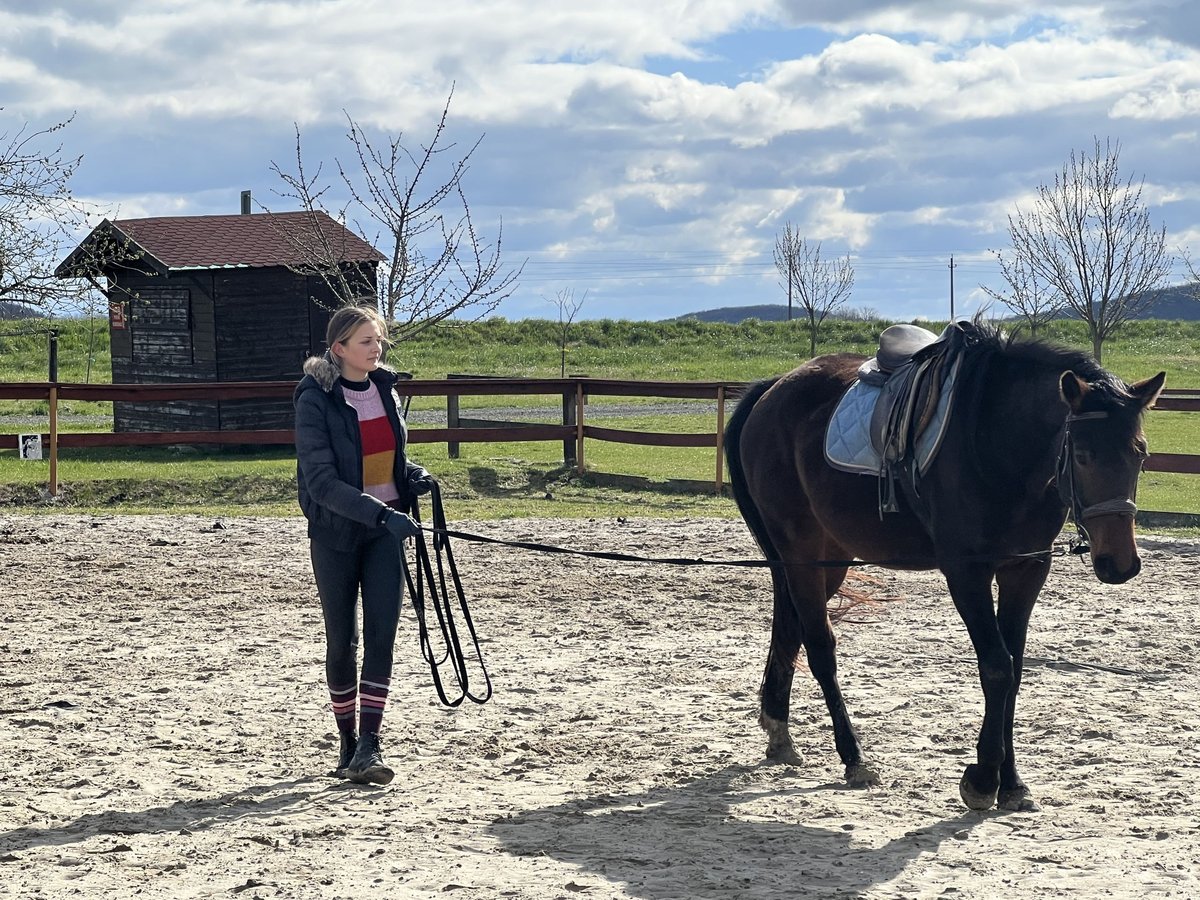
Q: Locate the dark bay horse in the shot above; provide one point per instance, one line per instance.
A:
(1035, 431)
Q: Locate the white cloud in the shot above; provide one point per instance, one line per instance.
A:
(898, 130)
(1159, 103)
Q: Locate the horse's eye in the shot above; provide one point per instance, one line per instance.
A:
(1083, 457)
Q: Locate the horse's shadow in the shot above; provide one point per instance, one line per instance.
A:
(716, 837)
(259, 802)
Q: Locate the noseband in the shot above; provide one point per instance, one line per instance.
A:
(1065, 481)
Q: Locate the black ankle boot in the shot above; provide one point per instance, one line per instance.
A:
(367, 766)
(349, 744)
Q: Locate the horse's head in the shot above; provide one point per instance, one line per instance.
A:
(1103, 454)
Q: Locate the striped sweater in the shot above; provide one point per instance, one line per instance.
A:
(378, 440)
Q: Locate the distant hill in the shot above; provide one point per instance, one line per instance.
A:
(765, 312)
(1177, 302)
(10, 310)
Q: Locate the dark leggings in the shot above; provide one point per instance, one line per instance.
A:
(374, 568)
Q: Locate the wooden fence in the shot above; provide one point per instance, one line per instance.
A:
(576, 389)
(574, 429)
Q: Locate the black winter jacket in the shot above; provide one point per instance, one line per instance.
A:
(329, 456)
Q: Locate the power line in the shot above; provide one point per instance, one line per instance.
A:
(700, 264)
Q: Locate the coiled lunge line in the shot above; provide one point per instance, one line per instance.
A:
(443, 606)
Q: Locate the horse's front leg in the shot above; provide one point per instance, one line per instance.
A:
(971, 588)
(1019, 583)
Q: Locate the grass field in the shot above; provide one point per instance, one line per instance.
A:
(500, 480)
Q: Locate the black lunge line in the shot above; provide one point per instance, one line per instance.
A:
(443, 606)
(442, 531)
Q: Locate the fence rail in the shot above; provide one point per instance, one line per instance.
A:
(573, 431)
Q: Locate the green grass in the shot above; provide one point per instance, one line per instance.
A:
(488, 481)
(668, 351)
(502, 480)
(83, 357)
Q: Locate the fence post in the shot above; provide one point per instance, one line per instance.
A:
(52, 355)
(452, 422)
(568, 418)
(720, 437)
(579, 427)
(54, 440)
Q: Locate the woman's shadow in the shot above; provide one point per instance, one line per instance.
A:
(722, 835)
(259, 802)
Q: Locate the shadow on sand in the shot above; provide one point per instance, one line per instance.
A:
(259, 802)
(693, 840)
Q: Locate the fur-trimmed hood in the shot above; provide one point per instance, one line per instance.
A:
(325, 372)
(329, 455)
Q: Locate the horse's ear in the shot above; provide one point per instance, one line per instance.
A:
(1147, 391)
(1073, 389)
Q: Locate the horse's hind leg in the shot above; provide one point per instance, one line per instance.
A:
(776, 689)
(813, 588)
(801, 616)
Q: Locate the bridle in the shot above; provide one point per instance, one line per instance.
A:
(1064, 480)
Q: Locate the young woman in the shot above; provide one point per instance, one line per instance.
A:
(353, 481)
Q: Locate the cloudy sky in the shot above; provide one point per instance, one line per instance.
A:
(646, 153)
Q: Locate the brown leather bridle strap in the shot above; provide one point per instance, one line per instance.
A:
(1122, 506)
(1119, 507)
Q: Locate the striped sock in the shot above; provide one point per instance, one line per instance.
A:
(345, 701)
(374, 698)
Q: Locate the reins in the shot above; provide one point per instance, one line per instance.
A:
(444, 607)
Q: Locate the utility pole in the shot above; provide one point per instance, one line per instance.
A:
(951, 288)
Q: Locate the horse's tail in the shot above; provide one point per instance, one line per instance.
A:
(737, 472)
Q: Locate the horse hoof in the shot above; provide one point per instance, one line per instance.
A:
(784, 756)
(1018, 800)
(861, 775)
(974, 798)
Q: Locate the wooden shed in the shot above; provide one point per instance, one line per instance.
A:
(215, 299)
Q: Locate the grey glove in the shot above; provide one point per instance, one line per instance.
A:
(420, 482)
(401, 525)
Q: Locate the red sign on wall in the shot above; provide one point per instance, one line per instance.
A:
(116, 314)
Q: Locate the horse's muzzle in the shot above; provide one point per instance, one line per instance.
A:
(1114, 548)
(1108, 570)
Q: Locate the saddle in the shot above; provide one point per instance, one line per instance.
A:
(892, 418)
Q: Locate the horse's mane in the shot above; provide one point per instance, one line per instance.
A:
(986, 341)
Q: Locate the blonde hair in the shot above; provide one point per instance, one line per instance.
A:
(348, 319)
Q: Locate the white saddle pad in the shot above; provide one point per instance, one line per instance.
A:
(848, 434)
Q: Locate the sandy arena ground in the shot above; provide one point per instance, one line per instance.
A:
(166, 729)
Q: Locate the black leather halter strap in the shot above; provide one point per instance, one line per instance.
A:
(1065, 481)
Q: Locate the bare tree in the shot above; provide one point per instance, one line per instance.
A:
(819, 286)
(1028, 295)
(860, 314)
(39, 218)
(1089, 237)
(568, 308)
(1193, 274)
(437, 264)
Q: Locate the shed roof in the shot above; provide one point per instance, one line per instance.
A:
(175, 243)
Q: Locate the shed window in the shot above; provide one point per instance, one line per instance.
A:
(160, 323)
